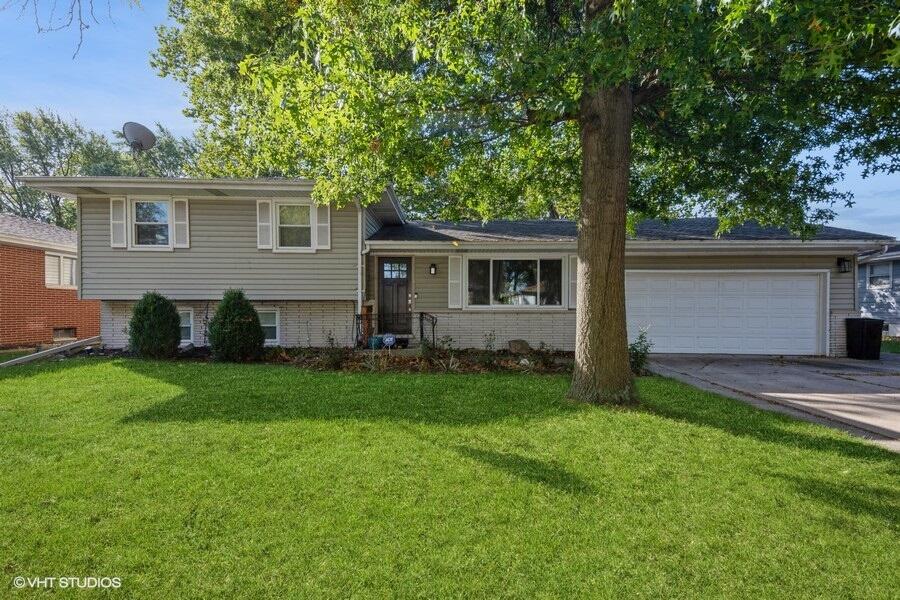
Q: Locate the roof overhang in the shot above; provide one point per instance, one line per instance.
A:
(639, 247)
(15, 240)
(73, 187)
(387, 208)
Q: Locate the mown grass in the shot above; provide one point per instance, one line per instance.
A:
(204, 480)
(892, 345)
(6, 355)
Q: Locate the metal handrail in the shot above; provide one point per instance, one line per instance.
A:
(367, 325)
(432, 320)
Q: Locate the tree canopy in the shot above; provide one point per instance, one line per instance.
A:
(41, 142)
(469, 107)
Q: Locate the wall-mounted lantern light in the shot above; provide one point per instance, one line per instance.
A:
(432, 269)
(843, 265)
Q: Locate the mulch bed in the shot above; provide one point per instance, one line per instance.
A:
(433, 361)
(386, 361)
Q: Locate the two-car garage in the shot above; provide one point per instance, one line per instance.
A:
(772, 312)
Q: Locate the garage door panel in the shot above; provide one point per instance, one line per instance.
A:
(737, 313)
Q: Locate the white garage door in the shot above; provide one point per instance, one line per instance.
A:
(728, 313)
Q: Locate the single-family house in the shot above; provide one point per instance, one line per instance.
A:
(39, 302)
(878, 283)
(322, 275)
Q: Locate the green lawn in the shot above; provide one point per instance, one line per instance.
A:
(890, 346)
(200, 480)
(6, 355)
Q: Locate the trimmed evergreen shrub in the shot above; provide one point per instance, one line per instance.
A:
(154, 330)
(234, 331)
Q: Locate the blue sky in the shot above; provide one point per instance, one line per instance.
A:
(110, 81)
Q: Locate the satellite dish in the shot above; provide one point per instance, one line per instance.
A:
(138, 137)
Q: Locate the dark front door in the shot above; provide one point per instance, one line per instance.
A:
(394, 295)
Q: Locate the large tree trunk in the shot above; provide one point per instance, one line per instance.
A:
(602, 372)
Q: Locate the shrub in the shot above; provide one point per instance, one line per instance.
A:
(154, 330)
(429, 351)
(234, 331)
(486, 358)
(638, 352)
(542, 356)
(333, 355)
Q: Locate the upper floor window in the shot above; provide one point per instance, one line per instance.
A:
(294, 226)
(151, 224)
(515, 282)
(880, 275)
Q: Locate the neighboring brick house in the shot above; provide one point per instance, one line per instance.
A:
(39, 301)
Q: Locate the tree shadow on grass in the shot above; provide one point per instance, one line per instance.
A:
(260, 393)
(687, 404)
(536, 471)
(880, 502)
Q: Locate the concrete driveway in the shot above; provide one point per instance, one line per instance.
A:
(862, 397)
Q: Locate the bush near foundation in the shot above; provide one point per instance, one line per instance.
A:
(154, 330)
(235, 334)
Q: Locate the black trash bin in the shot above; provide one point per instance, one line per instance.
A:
(864, 338)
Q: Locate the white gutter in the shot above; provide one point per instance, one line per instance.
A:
(359, 258)
(71, 187)
(16, 240)
(639, 246)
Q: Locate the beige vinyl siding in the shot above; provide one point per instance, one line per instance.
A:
(557, 328)
(223, 254)
(841, 294)
(431, 289)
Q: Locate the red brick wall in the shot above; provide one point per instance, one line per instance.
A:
(29, 311)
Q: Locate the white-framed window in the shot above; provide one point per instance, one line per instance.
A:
(879, 275)
(268, 318)
(186, 320)
(60, 271)
(515, 282)
(294, 227)
(151, 224)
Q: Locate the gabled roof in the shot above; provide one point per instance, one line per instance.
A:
(27, 232)
(693, 229)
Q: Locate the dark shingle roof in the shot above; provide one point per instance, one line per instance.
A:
(703, 228)
(36, 231)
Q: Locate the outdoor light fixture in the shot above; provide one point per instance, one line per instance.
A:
(432, 268)
(843, 265)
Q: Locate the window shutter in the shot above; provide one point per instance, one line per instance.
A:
(263, 223)
(323, 227)
(454, 282)
(117, 222)
(573, 281)
(51, 270)
(181, 223)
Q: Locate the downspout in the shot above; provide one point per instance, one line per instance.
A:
(359, 258)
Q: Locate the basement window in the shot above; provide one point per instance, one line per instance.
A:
(63, 334)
